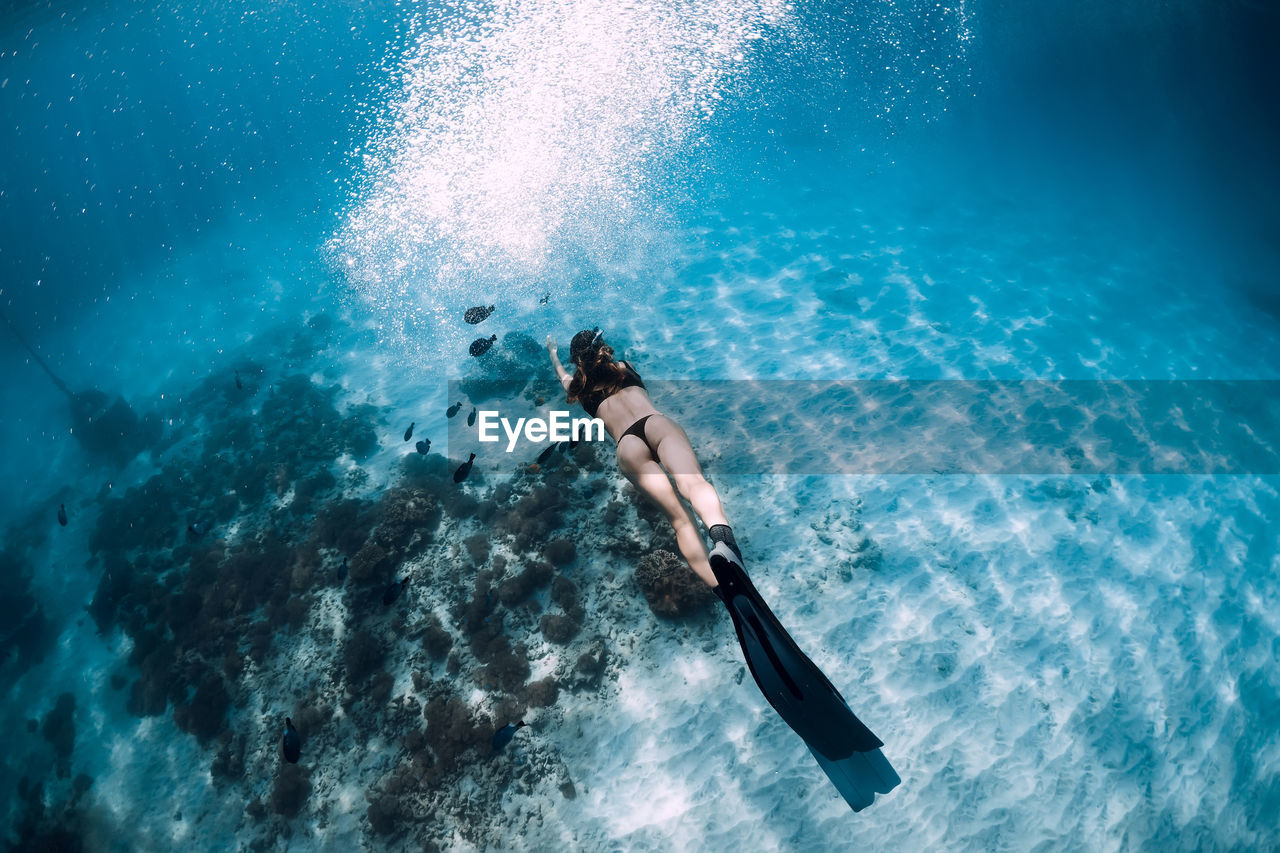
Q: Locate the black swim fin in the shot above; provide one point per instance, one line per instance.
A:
(845, 748)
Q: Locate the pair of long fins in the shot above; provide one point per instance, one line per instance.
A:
(845, 748)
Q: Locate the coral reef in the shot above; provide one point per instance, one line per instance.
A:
(197, 608)
(228, 762)
(558, 628)
(590, 666)
(384, 813)
(59, 729)
(542, 693)
(672, 590)
(408, 517)
(435, 639)
(344, 525)
(519, 587)
(507, 669)
(452, 729)
(362, 656)
(58, 826)
(478, 548)
(27, 635)
(206, 714)
(291, 789)
(371, 564)
(565, 593)
(532, 518)
(560, 552)
(257, 528)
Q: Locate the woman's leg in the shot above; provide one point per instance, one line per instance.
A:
(676, 454)
(638, 465)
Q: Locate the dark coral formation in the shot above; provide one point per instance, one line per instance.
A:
(206, 713)
(109, 429)
(558, 628)
(344, 525)
(480, 620)
(362, 656)
(435, 639)
(250, 527)
(228, 761)
(433, 474)
(565, 593)
(542, 693)
(199, 608)
(507, 669)
(496, 615)
(59, 729)
(27, 635)
(532, 518)
(384, 813)
(291, 789)
(306, 490)
(560, 552)
(590, 666)
(41, 825)
(371, 564)
(478, 548)
(408, 518)
(518, 587)
(672, 590)
(561, 628)
(452, 730)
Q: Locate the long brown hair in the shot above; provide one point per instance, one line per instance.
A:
(598, 375)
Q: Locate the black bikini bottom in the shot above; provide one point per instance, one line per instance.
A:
(637, 429)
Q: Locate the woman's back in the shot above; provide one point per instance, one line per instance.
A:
(595, 393)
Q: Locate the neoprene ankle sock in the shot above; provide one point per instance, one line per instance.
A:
(722, 533)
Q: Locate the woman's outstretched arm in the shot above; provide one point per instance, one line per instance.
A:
(563, 374)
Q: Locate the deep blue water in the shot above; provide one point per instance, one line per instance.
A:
(733, 191)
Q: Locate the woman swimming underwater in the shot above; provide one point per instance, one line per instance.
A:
(651, 446)
(652, 452)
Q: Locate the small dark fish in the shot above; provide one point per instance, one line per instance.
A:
(542, 457)
(408, 434)
(454, 409)
(239, 384)
(477, 314)
(545, 299)
(480, 346)
(464, 469)
(471, 418)
(423, 446)
(342, 570)
(503, 736)
(292, 742)
(62, 514)
(197, 528)
(393, 592)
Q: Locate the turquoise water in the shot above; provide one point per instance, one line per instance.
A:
(262, 228)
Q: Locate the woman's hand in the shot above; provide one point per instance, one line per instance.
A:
(555, 362)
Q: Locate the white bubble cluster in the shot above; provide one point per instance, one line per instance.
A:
(524, 132)
(911, 59)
